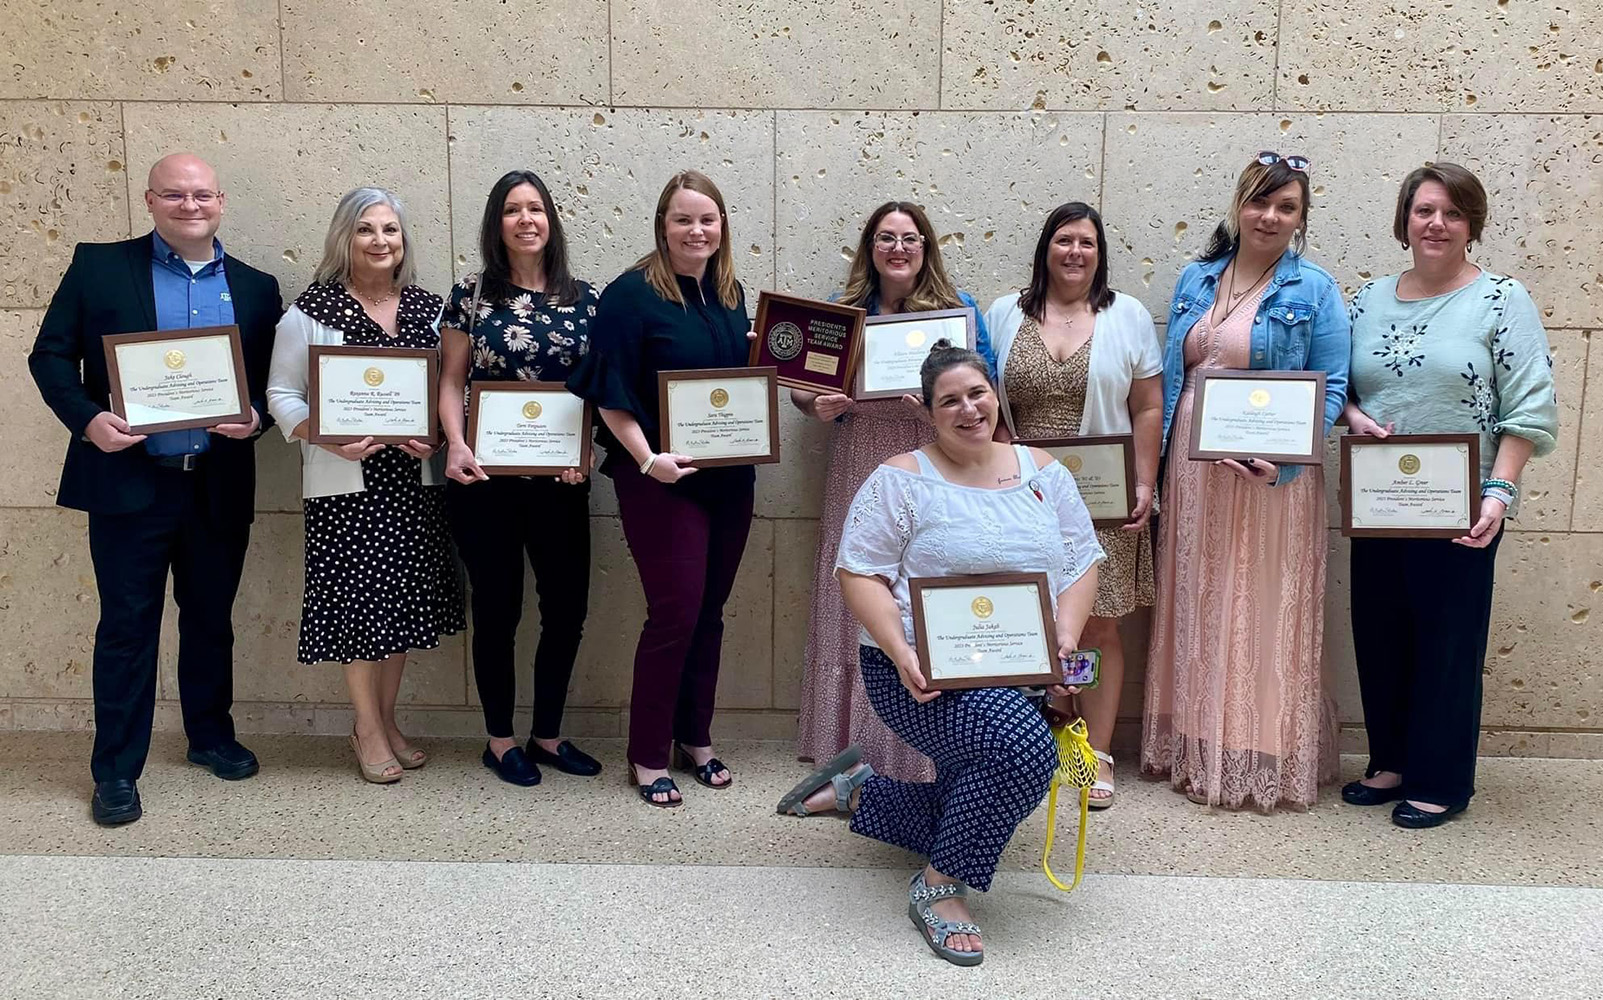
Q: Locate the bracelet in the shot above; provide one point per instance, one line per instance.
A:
(645, 467)
(1502, 485)
(1500, 495)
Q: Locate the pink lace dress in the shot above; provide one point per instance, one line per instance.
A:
(1236, 709)
(834, 705)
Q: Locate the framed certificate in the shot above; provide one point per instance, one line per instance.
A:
(1410, 485)
(385, 393)
(169, 380)
(1103, 467)
(994, 630)
(895, 346)
(528, 428)
(1275, 416)
(815, 345)
(720, 416)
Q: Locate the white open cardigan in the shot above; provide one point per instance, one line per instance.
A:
(1124, 347)
(323, 473)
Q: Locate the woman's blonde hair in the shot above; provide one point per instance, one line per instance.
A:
(1256, 180)
(336, 262)
(932, 289)
(657, 264)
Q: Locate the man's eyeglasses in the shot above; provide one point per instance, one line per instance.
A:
(176, 198)
(890, 241)
(1295, 161)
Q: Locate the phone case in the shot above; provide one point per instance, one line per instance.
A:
(1083, 668)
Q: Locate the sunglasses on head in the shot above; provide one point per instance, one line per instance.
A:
(1295, 161)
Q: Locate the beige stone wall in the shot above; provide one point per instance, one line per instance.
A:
(808, 113)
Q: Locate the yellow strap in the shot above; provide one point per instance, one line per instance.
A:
(1051, 828)
(1077, 768)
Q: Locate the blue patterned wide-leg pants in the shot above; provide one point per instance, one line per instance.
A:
(994, 760)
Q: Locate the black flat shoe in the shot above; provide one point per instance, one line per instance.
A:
(1415, 818)
(1359, 794)
(568, 759)
(514, 767)
(701, 772)
(116, 802)
(228, 761)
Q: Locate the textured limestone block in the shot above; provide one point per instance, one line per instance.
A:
(1589, 467)
(1483, 56)
(754, 725)
(48, 606)
(411, 51)
(284, 168)
(1547, 490)
(267, 617)
(1545, 186)
(605, 170)
(605, 671)
(6, 720)
(1542, 667)
(771, 53)
(1341, 671)
(167, 50)
(987, 183)
(61, 182)
(1160, 209)
(278, 473)
(56, 716)
(37, 441)
(1576, 746)
(1108, 54)
(795, 554)
(794, 486)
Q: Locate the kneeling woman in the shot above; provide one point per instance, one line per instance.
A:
(964, 504)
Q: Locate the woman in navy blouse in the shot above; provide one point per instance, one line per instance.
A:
(522, 317)
(678, 307)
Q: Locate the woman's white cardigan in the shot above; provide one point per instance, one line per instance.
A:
(323, 473)
(1124, 347)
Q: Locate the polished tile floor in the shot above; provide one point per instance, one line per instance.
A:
(304, 882)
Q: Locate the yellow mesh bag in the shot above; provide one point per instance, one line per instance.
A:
(1077, 768)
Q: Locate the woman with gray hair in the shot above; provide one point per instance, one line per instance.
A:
(379, 577)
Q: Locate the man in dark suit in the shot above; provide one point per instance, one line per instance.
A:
(179, 501)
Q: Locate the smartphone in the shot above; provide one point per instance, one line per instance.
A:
(1083, 668)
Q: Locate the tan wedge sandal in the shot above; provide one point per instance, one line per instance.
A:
(375, 772)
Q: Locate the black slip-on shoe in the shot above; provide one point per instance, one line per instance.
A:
(229, 761)
(568, 759)
(514, 767)
(116, 802)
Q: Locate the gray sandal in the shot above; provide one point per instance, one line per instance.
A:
(934, 930)
(833, 773)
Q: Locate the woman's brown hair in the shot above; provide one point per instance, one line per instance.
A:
(657, 264)
(932, 289)
(1463, 187)
(1256, 181)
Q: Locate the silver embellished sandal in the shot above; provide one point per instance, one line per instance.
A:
(832, 774)
(934, 930)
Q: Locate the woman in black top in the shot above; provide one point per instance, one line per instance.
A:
(523, 317)
(678, 307)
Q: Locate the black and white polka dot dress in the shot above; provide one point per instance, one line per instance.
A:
(380, 578)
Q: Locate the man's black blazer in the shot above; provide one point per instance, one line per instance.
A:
(108, 289)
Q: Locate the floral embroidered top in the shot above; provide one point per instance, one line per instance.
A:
(521, 336)
(1475, 360)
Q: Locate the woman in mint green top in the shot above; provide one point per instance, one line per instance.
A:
(1445, 347)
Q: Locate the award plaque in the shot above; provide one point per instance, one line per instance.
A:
(1103, 467)
(994, 630)
(387, 394)
(528, 428)
(720, 416)
(168, 380)
(895, 346)
(814, 345)
(1410, 485)
(1275, 416)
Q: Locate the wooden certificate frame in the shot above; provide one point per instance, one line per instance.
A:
(476, 392)
(984, 584)
(1313, 454)
(859, 393)
(665, 425)
(795, 355)
(1472, 486)
(314, 391)
(110, 342)
(1096, 441)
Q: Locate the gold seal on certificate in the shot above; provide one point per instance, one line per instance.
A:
(1103, 467)
(814, 344)
(1273, 415)
(528, 428)
(994, 630)
(387, 394)
(720, 416)
(1409, 485)
(168, 380)
(895, 346)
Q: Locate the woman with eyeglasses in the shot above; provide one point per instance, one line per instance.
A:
(1076, 358)
(897, 269)
(1236, 711)
(1445, 347)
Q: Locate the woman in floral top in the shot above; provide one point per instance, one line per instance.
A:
(523, 317)
(1442, 348)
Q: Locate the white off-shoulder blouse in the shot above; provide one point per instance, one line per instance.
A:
(912, 524)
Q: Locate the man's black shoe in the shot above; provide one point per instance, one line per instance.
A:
(116, 802)
(229, 761)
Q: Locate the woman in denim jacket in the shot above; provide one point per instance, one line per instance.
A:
(1235, 708)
